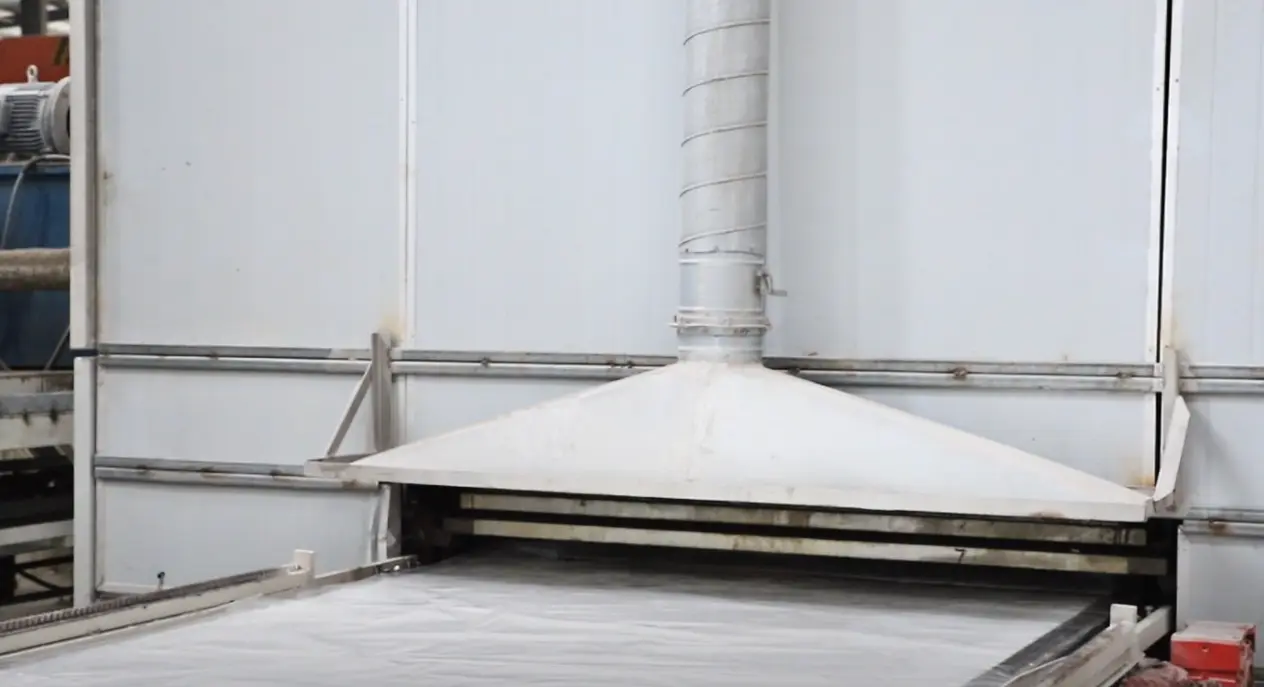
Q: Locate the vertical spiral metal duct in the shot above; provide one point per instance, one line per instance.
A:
(725, 196)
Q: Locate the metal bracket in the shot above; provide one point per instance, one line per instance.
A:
(1175, 418)
(384, 523)
(378, 379)
(766, 286)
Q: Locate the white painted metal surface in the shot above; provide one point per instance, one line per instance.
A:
(724, 283)
(718, 432)
(932, 235)
(1213, 560)
(718, 426)
(323, 270)
(311, 181)
(914, 141)
(204, 531)
(1214, 292)
(1218, 245)
(885, 172)
(262, 417)
(514, 620)
(1105, 423)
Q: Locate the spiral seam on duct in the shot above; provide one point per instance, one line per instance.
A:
(724, 199)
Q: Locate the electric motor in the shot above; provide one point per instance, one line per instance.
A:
(35, 117)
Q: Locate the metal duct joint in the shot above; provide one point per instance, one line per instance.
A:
(725, 196)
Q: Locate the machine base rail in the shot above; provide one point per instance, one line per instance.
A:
(1108, 656)
(1060, 642)
(56, 628)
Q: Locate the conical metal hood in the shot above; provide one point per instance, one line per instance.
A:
(746, 434)
(718, 426)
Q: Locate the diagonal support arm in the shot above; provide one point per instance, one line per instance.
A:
(378, 379)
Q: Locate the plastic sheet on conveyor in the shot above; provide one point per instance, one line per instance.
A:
(527, 621)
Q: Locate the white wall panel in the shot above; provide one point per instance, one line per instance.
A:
(441, 404)
(1217, 242)
(225, 417)
(951, 181)
(1222, 453)
(963, 180)
(250, 177)
(548, 165)
(196, 533)
(1218, 238)
(943, 170)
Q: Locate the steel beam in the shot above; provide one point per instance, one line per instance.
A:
(803, 546)
(598, 367)
(804, 519)
(228, 479)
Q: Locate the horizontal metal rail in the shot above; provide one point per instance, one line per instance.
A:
(1235, 515)
(297, 353)
(200, 466)
(806, 546)
(949, 374)
(1223, 528)
(958, 377)
(217, 364)
(804, 519)
(250, 476)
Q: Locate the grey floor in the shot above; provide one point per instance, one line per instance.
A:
(516, 620)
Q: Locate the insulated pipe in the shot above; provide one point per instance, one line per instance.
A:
(725, 196)
(34, 269)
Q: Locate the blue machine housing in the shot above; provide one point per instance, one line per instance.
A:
(32, 323)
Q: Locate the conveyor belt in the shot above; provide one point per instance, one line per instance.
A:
(512, 620)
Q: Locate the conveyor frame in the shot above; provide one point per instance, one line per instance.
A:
(36, 475)
(1101, 648)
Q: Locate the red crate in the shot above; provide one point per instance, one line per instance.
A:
(1222, 653)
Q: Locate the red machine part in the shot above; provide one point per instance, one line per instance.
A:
(1216, 653)
(50, 55)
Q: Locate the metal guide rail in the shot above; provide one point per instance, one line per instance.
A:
(58, 628)
(1096, 647)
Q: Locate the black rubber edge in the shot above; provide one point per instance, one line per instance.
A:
(1055, 644)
